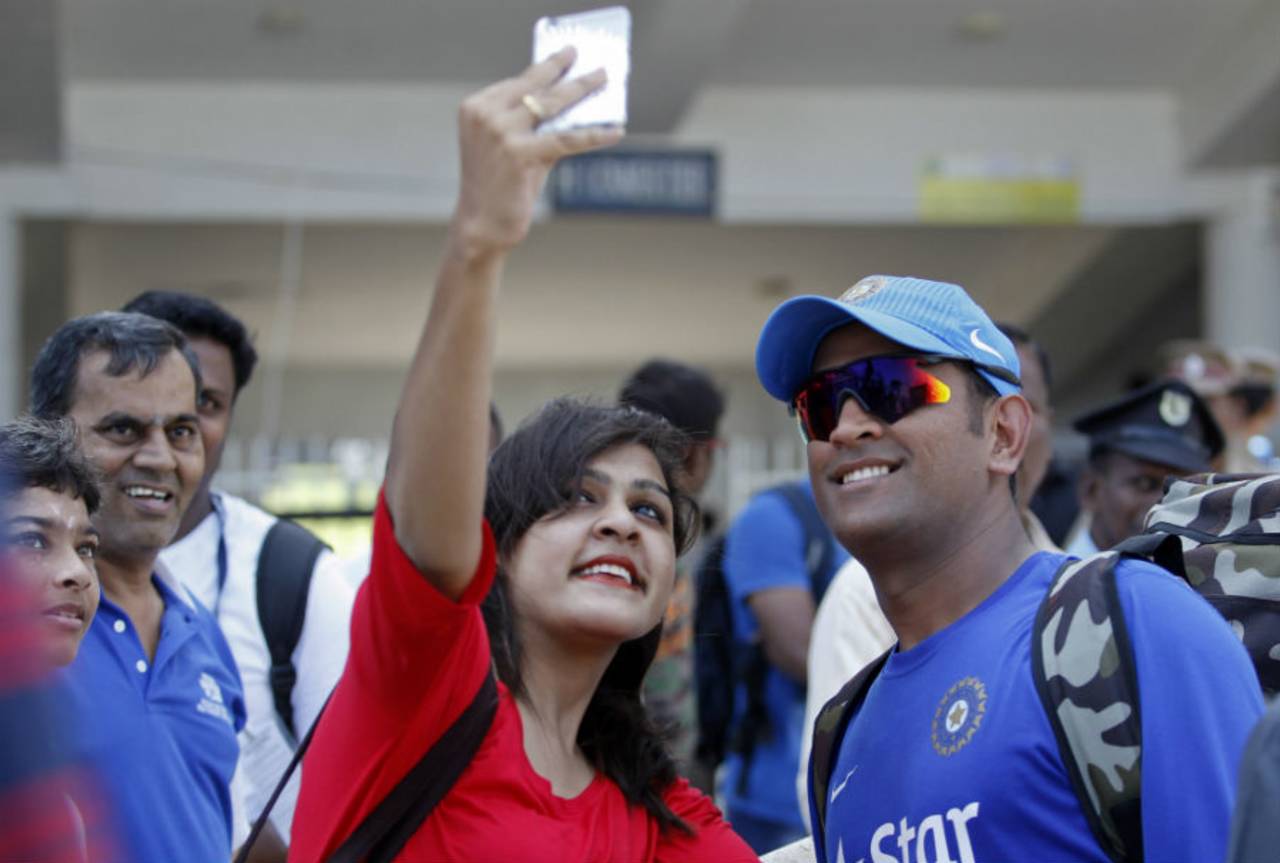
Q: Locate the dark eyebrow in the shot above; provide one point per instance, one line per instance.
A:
(605, 479)
(651, 484)
(120, 417)
(46, 523)
(15, 520)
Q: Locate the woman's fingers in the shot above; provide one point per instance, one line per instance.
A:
(556, 145)
(564, 95)
(534, 79)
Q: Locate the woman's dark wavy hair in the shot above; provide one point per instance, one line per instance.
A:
(535, 472)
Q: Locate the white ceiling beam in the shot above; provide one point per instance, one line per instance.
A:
(1229, 115)
(675, 44)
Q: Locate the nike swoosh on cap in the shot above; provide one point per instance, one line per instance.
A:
(977, 342)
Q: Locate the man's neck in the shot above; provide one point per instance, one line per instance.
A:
(125, 579)
(200, 507)
(937, 582)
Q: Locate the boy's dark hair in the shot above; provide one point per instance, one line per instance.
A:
(196, 316)
(535, 472)
(1020, 338)
(133, 341)
(36, 453)
(684, 396)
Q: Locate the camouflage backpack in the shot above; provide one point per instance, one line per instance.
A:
(1218, 532)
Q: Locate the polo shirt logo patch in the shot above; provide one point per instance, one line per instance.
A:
(959, 716)
(211, 704)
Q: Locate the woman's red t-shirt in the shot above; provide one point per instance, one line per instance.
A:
(417, 659)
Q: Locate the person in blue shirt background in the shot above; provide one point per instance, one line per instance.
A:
(909, 399)
(767, 571)
(154, 684)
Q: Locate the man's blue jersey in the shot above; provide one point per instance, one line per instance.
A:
(952, 758)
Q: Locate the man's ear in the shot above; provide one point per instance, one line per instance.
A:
(1087, 488)
(1010, 426)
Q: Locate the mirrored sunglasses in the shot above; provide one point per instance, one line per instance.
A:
(888, 387)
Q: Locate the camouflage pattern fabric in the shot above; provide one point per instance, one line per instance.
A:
(1228, 527)
(1084, 672)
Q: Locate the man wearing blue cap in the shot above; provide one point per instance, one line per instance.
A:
(909, 399)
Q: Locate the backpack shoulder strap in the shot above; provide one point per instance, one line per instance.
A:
(819, 546)
(828, 732)
(1082, 662)
(386, 830)
(285, 563)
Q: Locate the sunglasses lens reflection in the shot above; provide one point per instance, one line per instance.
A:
(888, 388)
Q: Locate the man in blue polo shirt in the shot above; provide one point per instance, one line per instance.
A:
(154, 683)
(909, 399)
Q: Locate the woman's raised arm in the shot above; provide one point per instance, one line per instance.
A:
(436, 472)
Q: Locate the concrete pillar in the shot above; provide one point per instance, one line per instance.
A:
(10, 317)
(1242, 266)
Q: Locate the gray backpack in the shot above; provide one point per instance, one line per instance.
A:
(1220, 534)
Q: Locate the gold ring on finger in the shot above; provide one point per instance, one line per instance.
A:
(535, 107)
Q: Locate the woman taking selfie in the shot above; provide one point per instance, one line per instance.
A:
(568, 538)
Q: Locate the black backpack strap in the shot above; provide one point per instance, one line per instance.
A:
(285, 563)
(242, 855)
(819, 545)
(1082, 662)
(385, 830)
(828, 732)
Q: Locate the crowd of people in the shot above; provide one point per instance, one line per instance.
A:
(896, 671)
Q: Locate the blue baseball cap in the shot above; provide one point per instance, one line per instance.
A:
(930, 317)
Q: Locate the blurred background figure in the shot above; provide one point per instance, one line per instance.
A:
(779, 559)
(689, 399)
(1239, 386)
(1135, 444)
(51, 807)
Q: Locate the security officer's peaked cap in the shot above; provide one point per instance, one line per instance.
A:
(1165, 423)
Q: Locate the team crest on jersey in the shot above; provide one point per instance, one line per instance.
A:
(959, 716)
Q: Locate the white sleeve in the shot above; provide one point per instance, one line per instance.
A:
(849, 631)
(240, 783)
(322, 649)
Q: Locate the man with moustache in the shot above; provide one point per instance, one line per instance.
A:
(909, 399)
(218, 552)
(154, 683)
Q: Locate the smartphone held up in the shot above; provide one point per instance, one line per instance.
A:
(602, 38)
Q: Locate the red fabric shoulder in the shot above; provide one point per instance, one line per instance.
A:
(713, 838)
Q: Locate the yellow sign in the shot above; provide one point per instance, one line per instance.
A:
(993, 190)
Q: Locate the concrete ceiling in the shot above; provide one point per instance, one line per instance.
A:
(1046, 43)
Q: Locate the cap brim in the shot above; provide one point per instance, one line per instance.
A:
(1168, 454)
(791, 335)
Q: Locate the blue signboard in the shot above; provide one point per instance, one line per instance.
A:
(650, 182)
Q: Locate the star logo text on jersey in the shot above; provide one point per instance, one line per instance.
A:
(959, 716)
(935, 838)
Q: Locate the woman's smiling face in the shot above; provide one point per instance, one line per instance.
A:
(602, 568)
